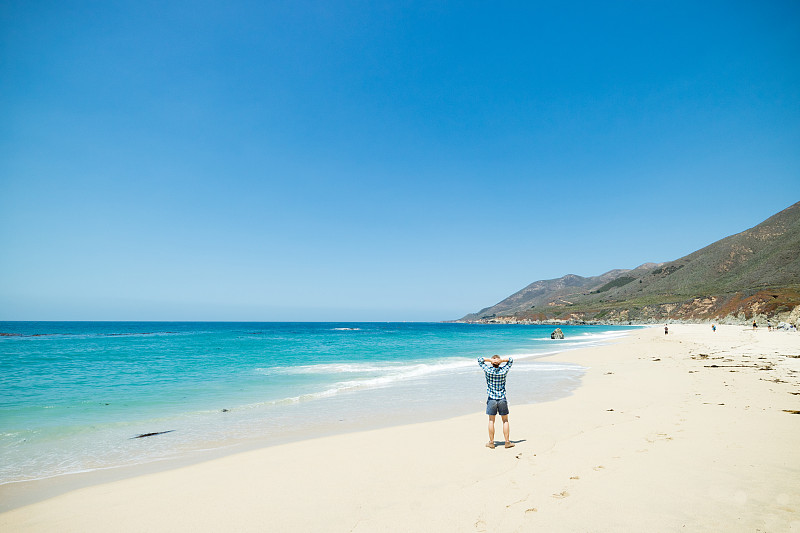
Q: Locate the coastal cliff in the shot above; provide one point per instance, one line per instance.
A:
(753, 275)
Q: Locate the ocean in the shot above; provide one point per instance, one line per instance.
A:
(77, 396)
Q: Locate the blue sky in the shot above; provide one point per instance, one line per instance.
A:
(376, 160)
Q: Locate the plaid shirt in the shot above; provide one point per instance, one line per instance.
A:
(495, 378)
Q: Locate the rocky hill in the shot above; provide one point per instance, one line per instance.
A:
(755, 273)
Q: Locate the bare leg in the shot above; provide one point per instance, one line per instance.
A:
(506, 431)
(491, 431)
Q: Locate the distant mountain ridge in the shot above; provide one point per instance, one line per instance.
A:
(554, 290)
(755, 273)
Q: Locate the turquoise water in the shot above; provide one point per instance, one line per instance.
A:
(73, 395)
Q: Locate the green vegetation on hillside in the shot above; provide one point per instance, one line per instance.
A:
(753, 272)
(619, 282)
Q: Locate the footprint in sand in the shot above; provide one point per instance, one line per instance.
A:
(560, 495)
(598, 468)
(575, 477)
(658, 436)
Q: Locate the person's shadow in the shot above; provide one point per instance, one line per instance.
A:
(512, 441)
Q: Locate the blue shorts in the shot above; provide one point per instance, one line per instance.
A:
(494, 407)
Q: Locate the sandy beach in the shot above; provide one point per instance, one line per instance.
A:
(691, 431)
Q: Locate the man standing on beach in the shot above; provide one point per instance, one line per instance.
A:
(496, 389)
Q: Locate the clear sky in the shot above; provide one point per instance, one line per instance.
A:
(329, 160)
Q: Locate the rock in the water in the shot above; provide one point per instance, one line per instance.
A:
(153, 434)
(557, 334)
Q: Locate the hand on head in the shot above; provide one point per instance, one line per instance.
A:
(496, 360)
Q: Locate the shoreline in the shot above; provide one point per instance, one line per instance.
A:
(15, 494)
(712, 445)
(463, 380)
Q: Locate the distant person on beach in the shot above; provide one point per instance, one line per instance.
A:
(755, 325)
(714, 328)
(496, 390)
(666, 330)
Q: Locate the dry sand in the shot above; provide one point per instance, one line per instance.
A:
(692, 431)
